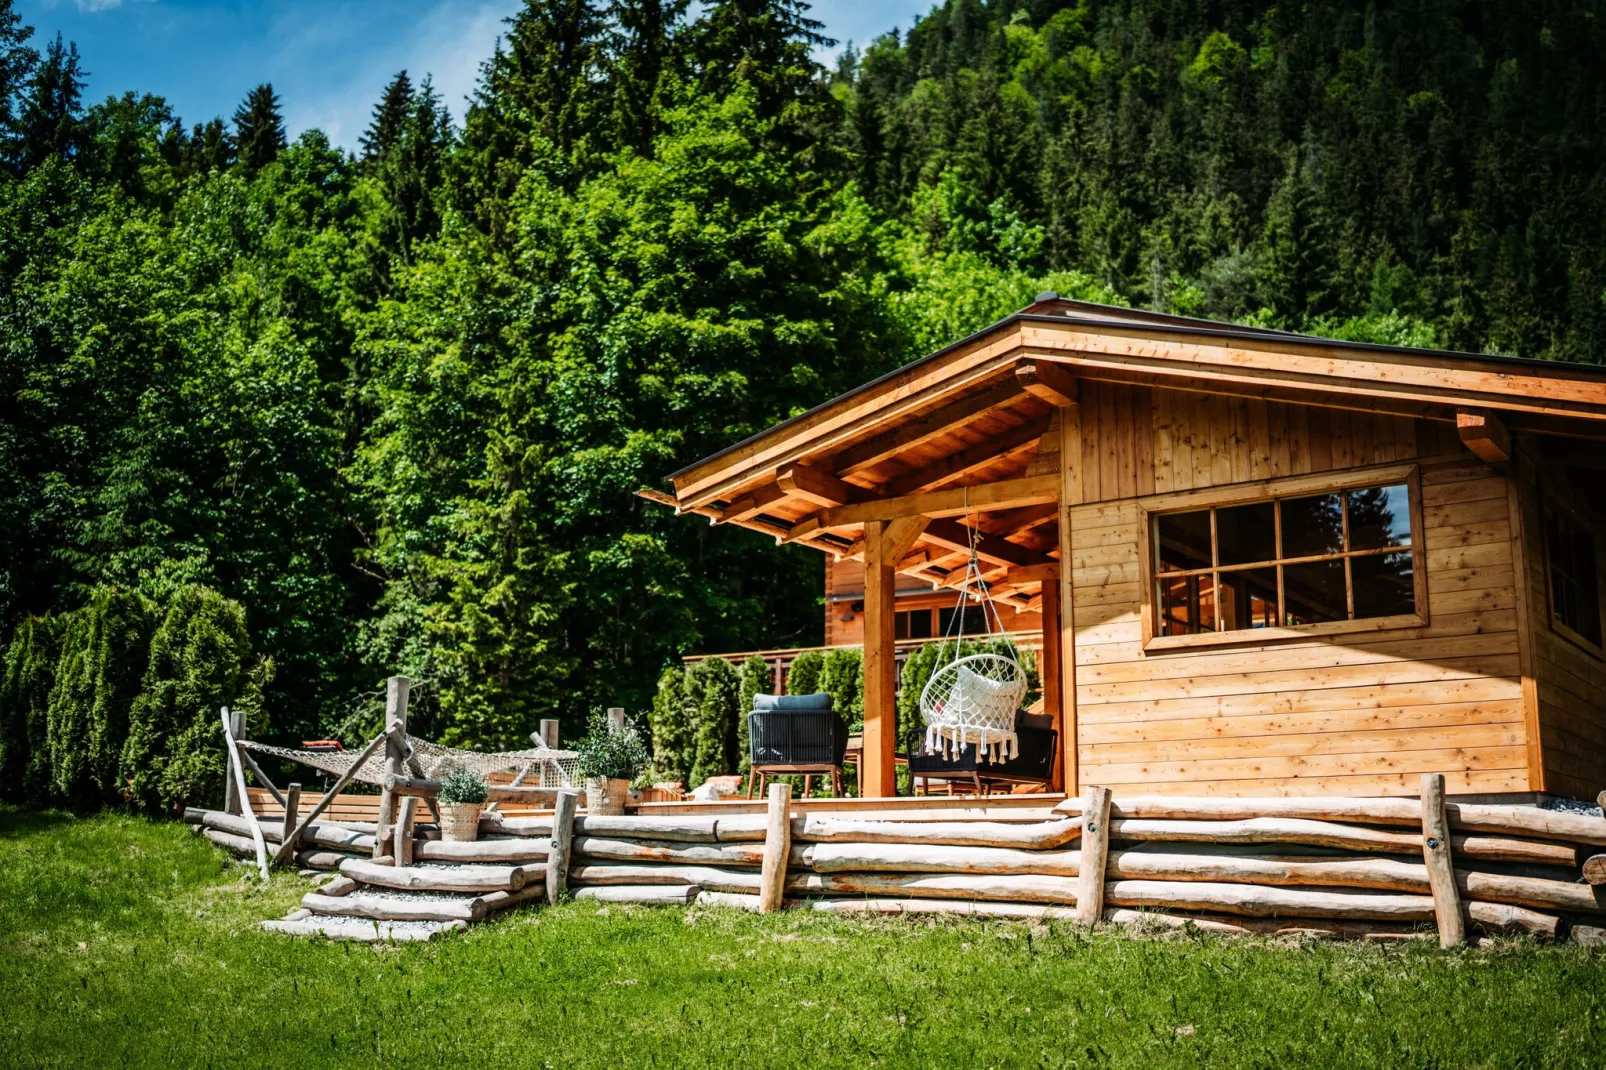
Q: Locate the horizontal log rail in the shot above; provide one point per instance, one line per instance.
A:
(421, 788)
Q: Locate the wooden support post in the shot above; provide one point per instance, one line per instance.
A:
(235, 723)
(616, 718)
(878, 775)
(402, 842)
(557, 860)
(1049, 670)
(778, 678)
(256, 770)
(397, 689)
(777, 848)
(292, 811)
(1070, 496)
(1441, 867)
(1485, 434)
(1095, 852)
(549, 732)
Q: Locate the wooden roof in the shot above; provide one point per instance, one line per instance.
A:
(976, 414)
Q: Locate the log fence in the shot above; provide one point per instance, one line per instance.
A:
(1351, 868)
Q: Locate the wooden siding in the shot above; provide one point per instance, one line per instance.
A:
(1569, 677)
(1349, 714)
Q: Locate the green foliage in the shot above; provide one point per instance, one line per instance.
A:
(670, 725)
(463, 786)
(755, 679)
(105, 650)
(199, 662)
(803, 676)
(842, 677)
(611, 753)
(30, 675)
(714, 686)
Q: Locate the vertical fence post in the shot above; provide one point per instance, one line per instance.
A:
(557, 859)
(549, 732)
(777, 848)
(292, 814)
(1441, 866)
(402, 841)
(1095, 850)
(616, 718)
(231, 793)
(397, 689)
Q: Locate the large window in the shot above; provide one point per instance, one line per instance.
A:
(1574, 581)
(1285, 562)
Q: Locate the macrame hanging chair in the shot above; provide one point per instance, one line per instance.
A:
(973, 698)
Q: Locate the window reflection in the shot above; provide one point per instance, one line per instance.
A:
(1384, 585)
(1379, 517)
(1187, 605)
(1246, 534)
(1249, 599)
(1313, 525)
(1315, 592)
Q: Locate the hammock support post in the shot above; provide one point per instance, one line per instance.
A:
(287, 849)
(397, 689)
(235, 724)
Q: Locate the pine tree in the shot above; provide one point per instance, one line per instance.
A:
(51, 124)
(641, 50)
(17, 62)
(259, 129)
(105, 647)
(410, 172)
(29, 673)
(208, 148)
(391, 114)
(768, 43)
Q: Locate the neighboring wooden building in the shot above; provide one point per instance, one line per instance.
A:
(1263, 563)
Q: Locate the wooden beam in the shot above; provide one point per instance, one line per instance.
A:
(965, 461)
(777, 849)
(751, 504)
(877, 772)
(819, 487)
(923, 428)
(1047, 573)
(1070, 495)
(1011, 521)
(557, 860)
(1047, 380)
(1484, 434)
(1094, 854)
(958, 501)
(900, 536)
(990, 548)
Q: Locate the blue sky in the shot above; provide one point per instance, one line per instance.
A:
(328, 59)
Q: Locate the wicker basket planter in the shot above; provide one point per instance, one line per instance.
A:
(606, 795)
(460, 822)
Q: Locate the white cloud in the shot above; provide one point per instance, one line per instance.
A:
(448, 40)
(96, 6)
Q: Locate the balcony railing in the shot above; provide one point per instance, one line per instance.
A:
(780, 661)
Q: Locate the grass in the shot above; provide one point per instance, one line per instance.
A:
(126, 942)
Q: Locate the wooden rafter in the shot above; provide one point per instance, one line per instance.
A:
(967, 460)
(1047, 380)
(873, 451)
(1484, 434)
(1004, 494)
(751, 504)
(818, 486)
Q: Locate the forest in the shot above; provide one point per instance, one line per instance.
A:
(279, 419)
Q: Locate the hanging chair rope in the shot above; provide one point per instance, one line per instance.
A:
(974, 698)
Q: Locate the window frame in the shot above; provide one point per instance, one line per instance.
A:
(1549, 504)
(1266, 490)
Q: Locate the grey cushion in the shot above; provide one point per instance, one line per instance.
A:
(819, 703)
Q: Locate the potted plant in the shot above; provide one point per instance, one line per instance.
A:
(462, 798)
(609, 758)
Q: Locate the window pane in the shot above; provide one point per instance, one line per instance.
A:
(1312, 526)
(1379, 517)
(1187, 605)
(1574, 584)
(1183, 540)
(1384, 585)
(975, 621)
(920, 624)
(1315, 592)
(900, 625)
(1246, 534)
(1249, 598)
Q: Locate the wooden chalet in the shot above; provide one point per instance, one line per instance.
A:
(1263, 563)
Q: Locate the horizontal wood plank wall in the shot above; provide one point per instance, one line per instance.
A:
(1571, 678)
(1359, 714)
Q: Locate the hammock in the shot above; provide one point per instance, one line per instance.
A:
(540, 767)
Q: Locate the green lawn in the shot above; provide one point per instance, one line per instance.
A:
(127, 942)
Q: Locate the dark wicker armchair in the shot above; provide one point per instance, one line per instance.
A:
(1038, 745)
(795, 734)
